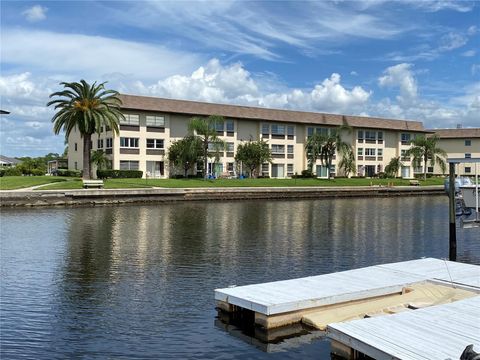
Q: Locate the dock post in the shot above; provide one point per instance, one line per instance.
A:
(452, 254)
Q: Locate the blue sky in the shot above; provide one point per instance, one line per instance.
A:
(416, 60)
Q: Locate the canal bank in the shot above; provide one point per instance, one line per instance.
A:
(124, 196)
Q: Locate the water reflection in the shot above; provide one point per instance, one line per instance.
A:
(138, 281)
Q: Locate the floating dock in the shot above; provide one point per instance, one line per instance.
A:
(324, 299)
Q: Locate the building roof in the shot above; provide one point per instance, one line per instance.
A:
(9, 160)
(4, 112)
(133, 102)
(463, 133)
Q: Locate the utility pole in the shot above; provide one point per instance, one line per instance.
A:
(452, 254)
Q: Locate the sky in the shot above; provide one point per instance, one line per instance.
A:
(411, 59)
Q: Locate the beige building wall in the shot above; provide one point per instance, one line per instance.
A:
(373, 148)
(461, 148)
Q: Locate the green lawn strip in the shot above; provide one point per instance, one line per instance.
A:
(109, 184)
(19, 182)
(196, 183)
(66, 185)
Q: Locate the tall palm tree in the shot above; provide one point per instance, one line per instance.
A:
(87, 108)
(392, 168)
(205, 129)
(325, 146)
(424, 149)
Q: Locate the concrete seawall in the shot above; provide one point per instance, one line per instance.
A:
(157, 195)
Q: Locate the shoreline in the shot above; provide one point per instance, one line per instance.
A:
(18, 198)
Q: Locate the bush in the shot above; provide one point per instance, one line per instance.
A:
(11, 171)
(71, 173)
(263, 177)
(177, 176)
(119, 174)
(307, 174)
(37, 172)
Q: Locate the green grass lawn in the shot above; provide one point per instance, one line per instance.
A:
(18, 182)
(193, 183)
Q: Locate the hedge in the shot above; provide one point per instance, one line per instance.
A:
(65, 172)
(119, 174)
(10, 171)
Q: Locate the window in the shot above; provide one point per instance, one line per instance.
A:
(100, 143)
(360, 151)
(406, 139)
(278, 129)
(289, 149)
(101, 128)
(130, 120)
(468, 142)
(129, 142)
(155, 121)
(230, 147)
(360, 135)
(230, 166)
(76, 147)
(278, 149)
(369, 152)
(230, 126)
(380, 152)
(430, 169)
(265, 169)
(468, 156)
(289, 169)
(154, 143)
(108, 143)
(290, 130)
(468, 169)
(219, 126)
(265, 129)
(128, 165)
(370, 135)
(380, 135)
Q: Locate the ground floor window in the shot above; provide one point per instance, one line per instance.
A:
(265, 170)
(278, 170)
(405, 171)
(322, 171)
(215, 169)
(155, 169)
(370, 170)
(468, 169)
(289, 169)
(128, 165)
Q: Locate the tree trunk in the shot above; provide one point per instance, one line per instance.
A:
(87, 146)
(205, 162)
(425, 170)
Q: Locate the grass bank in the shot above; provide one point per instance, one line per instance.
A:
(19, 182)
(197, 183)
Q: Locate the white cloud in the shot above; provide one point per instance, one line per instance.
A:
(472, 30)
(76, 55)
(469, 53)
(452, 41)
(438, 5)
(401, 76)
(233, 84)
(35, 13)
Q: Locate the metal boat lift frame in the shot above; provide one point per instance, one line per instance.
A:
(452, 254)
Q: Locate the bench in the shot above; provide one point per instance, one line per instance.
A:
(414, 183)
(93, 184)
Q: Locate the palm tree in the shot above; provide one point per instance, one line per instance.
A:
(87, 108)
(205, 129)
(325, 146)
(99, 159)
(425, 149)
(392, 168)
(347, 163)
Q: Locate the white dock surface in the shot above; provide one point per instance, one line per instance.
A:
(297, 294)
(437, 333)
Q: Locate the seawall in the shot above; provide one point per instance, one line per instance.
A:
(158, 195)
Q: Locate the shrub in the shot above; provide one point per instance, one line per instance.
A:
(119, 174)
(176, 176)
(11, 171)
(37, 172)
(71, 173)
(307, 174)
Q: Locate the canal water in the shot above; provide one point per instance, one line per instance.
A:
(137, 282)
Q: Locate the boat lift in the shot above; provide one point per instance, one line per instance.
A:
(452, 204)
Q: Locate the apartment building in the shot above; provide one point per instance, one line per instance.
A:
(152, 124)
(459, 144)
